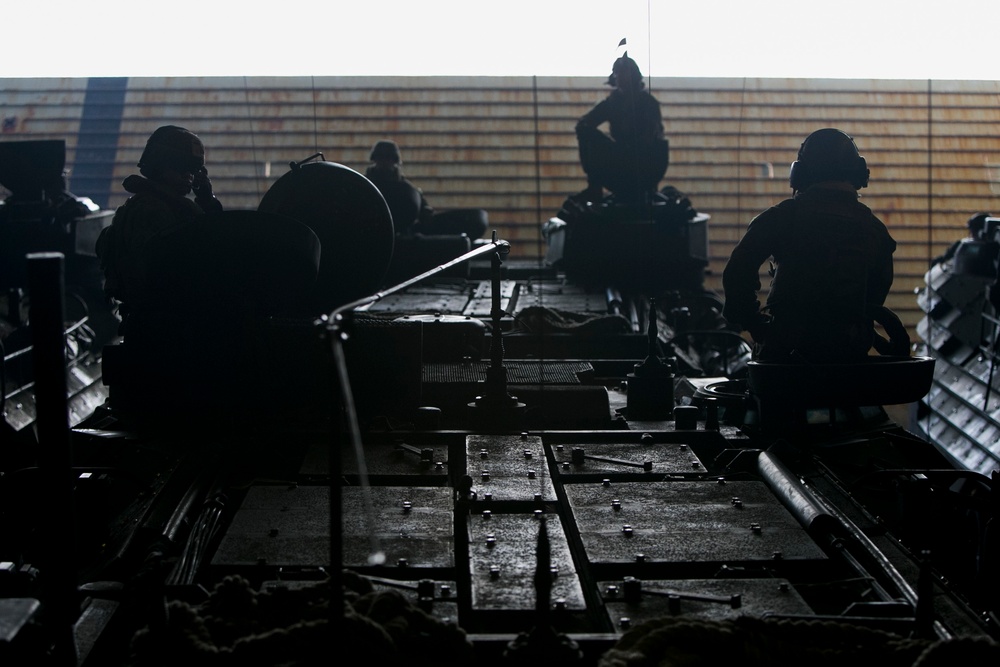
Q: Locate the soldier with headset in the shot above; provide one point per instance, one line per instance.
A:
(632, 158)
(411, 214)
(172, 166)
(831, 264)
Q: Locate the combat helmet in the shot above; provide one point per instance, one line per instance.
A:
(173, 147)
(386, 150)
(625, 68)
(828, 155)
(977, 224)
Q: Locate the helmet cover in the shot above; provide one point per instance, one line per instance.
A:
(175, 148)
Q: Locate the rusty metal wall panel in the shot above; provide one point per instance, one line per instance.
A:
(42, 109)
(507, 144)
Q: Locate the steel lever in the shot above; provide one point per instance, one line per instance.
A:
(579, 456)
(634, 591)
(426, 454)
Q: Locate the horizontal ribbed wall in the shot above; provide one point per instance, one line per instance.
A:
(508, 145)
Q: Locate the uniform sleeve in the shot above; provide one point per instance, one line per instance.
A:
(599, 114)
(881, 276)
(426, 210)
(741, 279)
(654, 123)
(209, 204)
(123, 246)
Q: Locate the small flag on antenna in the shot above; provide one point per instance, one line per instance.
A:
(621, 50)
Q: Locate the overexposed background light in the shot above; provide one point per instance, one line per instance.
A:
(855, 39)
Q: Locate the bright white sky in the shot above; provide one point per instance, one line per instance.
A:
(855, 39)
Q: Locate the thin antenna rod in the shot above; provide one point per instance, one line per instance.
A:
(253, 142)
(649, 45)
(312, 80)
(538, 162)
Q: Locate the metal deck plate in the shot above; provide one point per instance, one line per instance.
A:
(623, 457)
(405, 302)
(398, 459)
(685, 522)
(289, 526)
(709, 599)
(509, 468)
(502, 563)
(442, 603)
(569, 301)
(518, 372)
(481, 304)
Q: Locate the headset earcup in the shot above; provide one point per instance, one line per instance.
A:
(861, 178)
(797, 175)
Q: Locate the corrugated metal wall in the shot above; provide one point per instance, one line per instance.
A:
(508, 145)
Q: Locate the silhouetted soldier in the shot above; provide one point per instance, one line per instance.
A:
(411, 214)
(174, 322)
(633, 157)
(977, 228)
(831, 262)
(199, 288)
(172, 166)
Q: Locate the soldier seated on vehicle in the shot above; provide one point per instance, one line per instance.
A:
(831, 263)
(411, 214)
(977, 230)
(631, 160)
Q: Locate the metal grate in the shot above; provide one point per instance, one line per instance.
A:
(518, 372)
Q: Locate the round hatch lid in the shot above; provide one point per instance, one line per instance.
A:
(352, 221)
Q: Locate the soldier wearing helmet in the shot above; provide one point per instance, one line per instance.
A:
(977, 232)
(631, 159)
(172, 166)
(406, 201)
(411, 214)
(831, 262)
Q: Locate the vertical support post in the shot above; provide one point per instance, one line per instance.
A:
(334, 330)
(346, 406)
(496, 375)
(651, 382)
(496, 407)
(61, 605)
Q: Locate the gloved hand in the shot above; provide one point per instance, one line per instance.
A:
(202, 186)
(758, 330)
